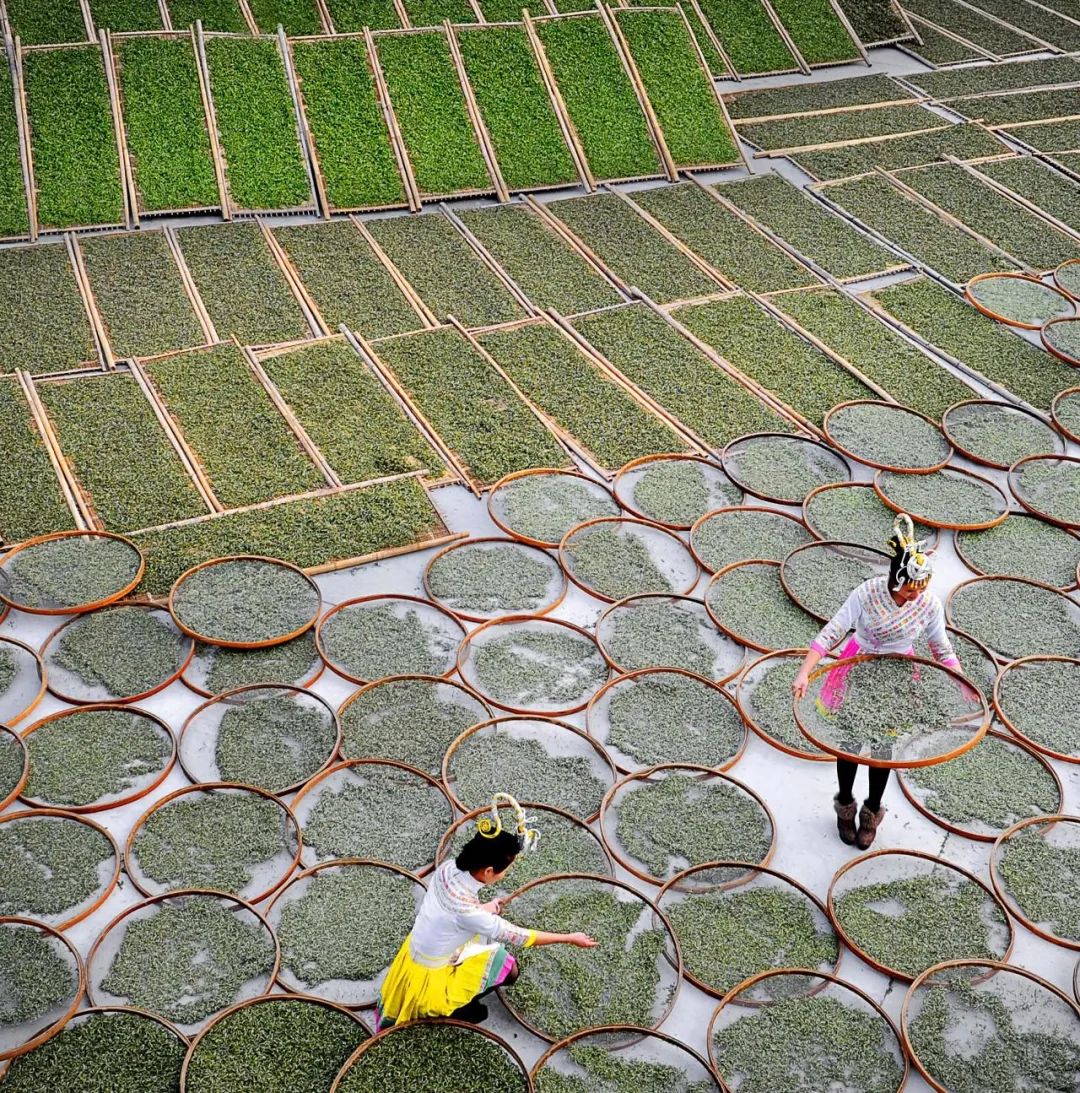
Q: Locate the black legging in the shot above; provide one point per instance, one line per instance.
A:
(845, 776)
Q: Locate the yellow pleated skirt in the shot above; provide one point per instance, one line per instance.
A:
(412, 990)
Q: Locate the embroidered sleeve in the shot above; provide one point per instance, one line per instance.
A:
(843, 621)
(941, 648)
(494, 928)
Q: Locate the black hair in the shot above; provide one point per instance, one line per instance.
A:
(479, 852)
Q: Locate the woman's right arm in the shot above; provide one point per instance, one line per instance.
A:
(843, 621)
(582, 941)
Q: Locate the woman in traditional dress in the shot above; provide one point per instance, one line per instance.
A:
(888, 614)
(457, 950)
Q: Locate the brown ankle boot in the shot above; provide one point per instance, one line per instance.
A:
(869, 822)
(845, 819)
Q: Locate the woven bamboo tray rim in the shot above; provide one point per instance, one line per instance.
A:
(448, 779)
(178, 894)
(81, 987)
(208, 788)
(751, 874)
(227, 698)
(82, 608)
(920, 855)
(435, 1022)
(388, 596)
(124, 700)
(250, 1003)
(647, 460)
(314, 783)
(468, 616)
(513, 620)
(995, 966)
(124, 799)
(895, 764)
(1021, 496)
(996, 404)
(516, 476)
(626, 522)
(264, 643)
(657, 772)
(726, 455)
(878, 464)
(979, 306)
(658, 915)
(659, 670)
(1011, 738)
(68, 814)
(731, 998)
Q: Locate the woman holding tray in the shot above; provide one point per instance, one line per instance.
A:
(888, 614)
(457, 949)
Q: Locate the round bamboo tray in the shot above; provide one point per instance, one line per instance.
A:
(125, 798)
(317, 667)
(41, 1032)
(1055, 412)
(71, 609)
(959, 542)
(1015, 488)
(606, 1033)
(12, 738)
(1071, 264)
(549, 544)
(620, 486)
(653, 775)
(340, 669)
(1033, 745)
(106, 889)
(57, 689)
(30, 703)
(672, 956)
(105, 940)
(603, 696)
(996, 405)
(586, 742)
(921, 664)
(695, 531)
(249, 1003)
(980, 278)
(262, 643)
(135, 873)
(1047, 337)
(299, 802)
(917, 855)
(693, 604)
(730, 454)
(865, 460)
(545, 608)
(465, 649)
(830, 982)
(237, 698)
(376, 1042)
(994, 968)
(921, 518)
(684, 884)
(289, 983)
(966, 832)
(675, 548)
(1002, 890)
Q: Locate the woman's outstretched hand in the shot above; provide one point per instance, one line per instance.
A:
(800, 685)
(582, 941)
